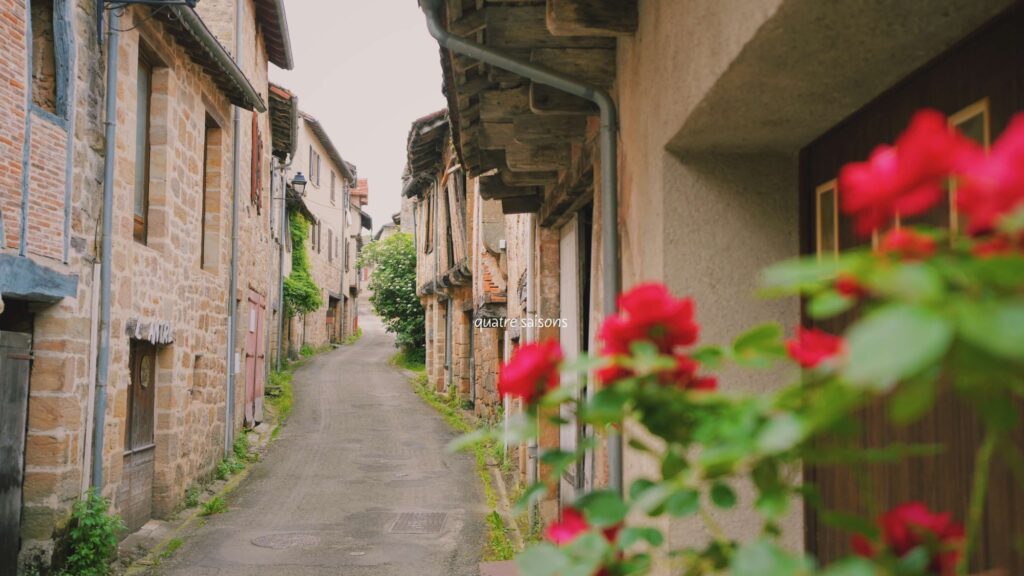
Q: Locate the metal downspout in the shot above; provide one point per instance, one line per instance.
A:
(611, 284)
(236, 168)
(283, 217)
(103, 354)
(343, 257)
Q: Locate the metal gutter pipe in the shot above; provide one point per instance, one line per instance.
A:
(106, 266)
(280, 169)
(611, 284)
(236, 168)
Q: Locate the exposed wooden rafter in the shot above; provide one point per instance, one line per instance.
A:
(592, 17)
(492, 187)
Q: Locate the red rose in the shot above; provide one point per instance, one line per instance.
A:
(532, 371)
(992, 185)
(573, 524)
(650, 312)
(907, 244)
(850, 287)
(906, 178)
(911, 525)
(811, 347)
(998, 245)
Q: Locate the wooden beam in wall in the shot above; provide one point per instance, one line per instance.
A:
(511, 26)
(546, 100)
(592, 17)
(533, 129)
(594, 66)
(496, 135)
(492, 187)
(542, 178)
(504, 105)
(537, 158)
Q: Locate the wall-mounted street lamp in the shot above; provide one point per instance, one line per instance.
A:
(299, 184)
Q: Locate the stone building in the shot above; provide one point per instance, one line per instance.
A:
(190, 134)
(330, 180)
(357, 221)
(733, 120)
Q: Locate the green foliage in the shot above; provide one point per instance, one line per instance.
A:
(394, 288)
(280, 395)
(192, 496)
(354, 337)
(229, 467)
(301, 294)
(306, 351)
(93, 537)
(413, 359)
(215, 505)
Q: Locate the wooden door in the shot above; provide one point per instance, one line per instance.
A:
(136, 491)
(261, 361)
(15, 362)
(980, 85)
(253, 365)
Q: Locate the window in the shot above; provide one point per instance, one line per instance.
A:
(144, 95)
(330, 244)
(256, 165)
(827, 220)
(332, 187)
(210, 209)
(319, 238)
(44, 62)
(314, 166)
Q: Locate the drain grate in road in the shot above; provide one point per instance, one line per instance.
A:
(419, 523)
(286, 541)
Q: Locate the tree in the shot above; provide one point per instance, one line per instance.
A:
(394, 288)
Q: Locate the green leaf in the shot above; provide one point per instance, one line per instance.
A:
(672, 464)
(606, 406)
(638, 487)
(996, 327)
(913, 398)
(799, 274)
(914, 562)
(603, 508)
(558, 460)
(759, 346)
(773, 503)
(683, 503)
(532, 494)
(584, 363)
(722, 495)
(914, 282)
(828, 304)
(781, 433)
(853, 566)
(895, 342)
(710, 357)
(761, 557)
(542, 560)
(630, 536)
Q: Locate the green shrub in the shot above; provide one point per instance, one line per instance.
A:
(306, 351)
(394, 288)
(301, 294)
(93, 537)
(192, 497)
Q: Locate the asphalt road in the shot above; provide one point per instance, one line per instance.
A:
(358, 454)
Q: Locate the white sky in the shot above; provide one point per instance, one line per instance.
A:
(366, 70)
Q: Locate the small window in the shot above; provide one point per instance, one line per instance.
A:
(973, 122)
(332, 187)
(44, 61)
(827, 220)
(144, 95)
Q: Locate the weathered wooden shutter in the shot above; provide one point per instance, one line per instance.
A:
(256, 178)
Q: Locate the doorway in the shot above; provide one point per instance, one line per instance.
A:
(15, 363)
(255, 360)
(136, 491)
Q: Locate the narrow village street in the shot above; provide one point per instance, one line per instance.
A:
(338, 489)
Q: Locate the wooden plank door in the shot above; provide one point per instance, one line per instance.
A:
(15, 361)
(251, 362)
(136, 491)
(261, 361)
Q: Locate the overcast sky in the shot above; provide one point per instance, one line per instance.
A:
(366, 70)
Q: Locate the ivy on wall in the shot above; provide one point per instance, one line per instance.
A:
(301, 294)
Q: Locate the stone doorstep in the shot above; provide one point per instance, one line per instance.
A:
(139, 552)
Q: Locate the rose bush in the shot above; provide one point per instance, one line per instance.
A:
(931, 309)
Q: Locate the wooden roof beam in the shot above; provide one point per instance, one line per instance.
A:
(592, 17)
(492, 187)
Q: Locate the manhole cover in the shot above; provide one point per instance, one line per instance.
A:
(286, 541)
(419, 523)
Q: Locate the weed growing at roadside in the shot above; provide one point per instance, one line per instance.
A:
(192, 496)
(413, 360)
(93, 537)
(354, 337)
(213, 506)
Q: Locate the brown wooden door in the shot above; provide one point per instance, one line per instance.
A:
(255, 359)
(980, 85)
(15, 361)
(136, 491)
